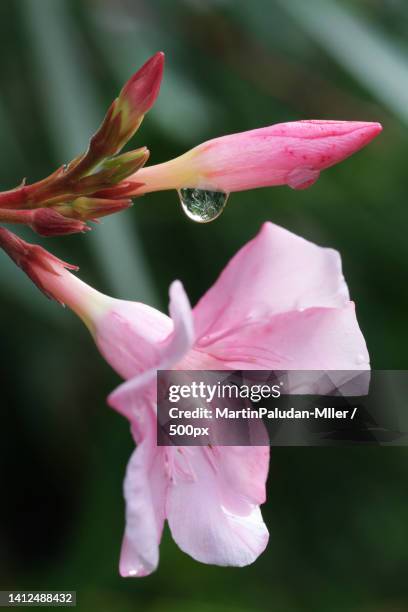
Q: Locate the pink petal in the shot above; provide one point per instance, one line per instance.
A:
(144, 489)
(314, 339)
(276, 272)
(214, 516)
(131, 337)
(183, 335)
(167, 352)
(245, 469)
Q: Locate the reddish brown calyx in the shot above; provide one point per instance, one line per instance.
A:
(32, 258)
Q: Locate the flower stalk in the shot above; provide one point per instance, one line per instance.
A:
(44, 221)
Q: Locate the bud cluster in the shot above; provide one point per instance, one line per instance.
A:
(94, 184)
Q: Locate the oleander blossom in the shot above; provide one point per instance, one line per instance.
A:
(280, 303)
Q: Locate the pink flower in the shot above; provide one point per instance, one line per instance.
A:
(291, 154)
(281, 303)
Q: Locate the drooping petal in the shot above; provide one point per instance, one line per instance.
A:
(144, 489)
(214, 516)
(163, 354)
(286, 153)
(276, 272)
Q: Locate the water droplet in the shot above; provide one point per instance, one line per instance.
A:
(302, 178)
(202, 205)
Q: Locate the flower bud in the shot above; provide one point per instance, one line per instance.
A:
(288, 153)
(50, 222)
(126, 164)
(127, 111)
(111, 171)
(89, 209)
(119, 191)
(35, 261)
(139, 94)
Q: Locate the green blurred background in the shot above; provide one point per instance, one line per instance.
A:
(338, 518)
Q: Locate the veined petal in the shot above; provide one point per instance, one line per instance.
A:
(276, 272)
(314, 339)
(214, 517)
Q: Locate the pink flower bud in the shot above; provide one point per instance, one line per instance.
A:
(135, 99)
(124, 115)
(49, 222)
(291, 154)
(140, 92)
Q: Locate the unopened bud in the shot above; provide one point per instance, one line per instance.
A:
(139, 94)
(291, 154)
(49, 222)
(123, 189)
(127, 111)
(90, 209)
(33, 260)
(126, 164)
(112, 171)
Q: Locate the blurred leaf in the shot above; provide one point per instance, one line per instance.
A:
(359, 46)
(11, 153)
(182, 112)
(73, 112)
(15, 285)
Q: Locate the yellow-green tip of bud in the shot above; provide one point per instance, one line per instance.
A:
(126, 164)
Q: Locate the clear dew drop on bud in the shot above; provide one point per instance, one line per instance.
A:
(202, 205)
